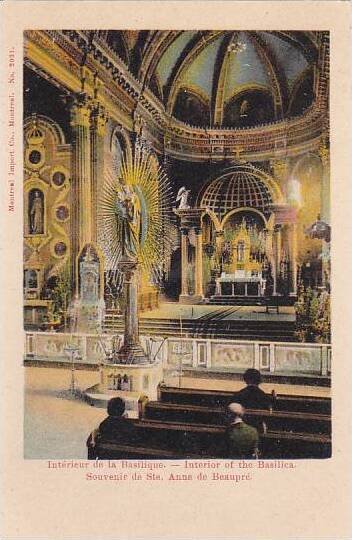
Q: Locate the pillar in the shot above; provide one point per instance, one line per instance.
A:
(277, 256)
(97, 135)
(325, 208)
(81, 192)
(199, 265)
(131, 351)
(191, 219)
(219, 239)
(293, 258)
(184, 263)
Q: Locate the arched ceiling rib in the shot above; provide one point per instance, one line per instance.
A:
(219, 80)
(191, 51)
(277, 79)
(200, 61)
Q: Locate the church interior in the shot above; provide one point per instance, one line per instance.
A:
(176, 235)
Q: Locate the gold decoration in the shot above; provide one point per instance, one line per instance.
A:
(280, 169)
(324, 154)
(149, 186)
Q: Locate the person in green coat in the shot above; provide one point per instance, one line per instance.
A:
(242, 440)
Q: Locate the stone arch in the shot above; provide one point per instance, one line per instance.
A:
(47, 124)
(243, 209)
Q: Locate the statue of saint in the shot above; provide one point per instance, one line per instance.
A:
(182, 196)
(244, 109)
(36, 220)
(128, 213)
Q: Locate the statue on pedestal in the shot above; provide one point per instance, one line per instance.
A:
(129, 223)
(128, 213)
(182, 196)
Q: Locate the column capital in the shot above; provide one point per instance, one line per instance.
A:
(81, 108)
(198, 230)
(99, 117)
(190, 217)
(184, 231)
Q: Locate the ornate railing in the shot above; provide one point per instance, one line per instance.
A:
(190, 353)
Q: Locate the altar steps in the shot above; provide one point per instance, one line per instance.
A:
(251, 301)
(260, 330)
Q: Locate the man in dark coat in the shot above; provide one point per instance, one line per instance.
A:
(115, 428)
(251, 396)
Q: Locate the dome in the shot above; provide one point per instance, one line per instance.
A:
(237, 188)
(227, 78)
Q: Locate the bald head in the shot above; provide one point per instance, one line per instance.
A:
(236, 410)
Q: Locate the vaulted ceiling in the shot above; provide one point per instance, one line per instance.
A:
(222, 78)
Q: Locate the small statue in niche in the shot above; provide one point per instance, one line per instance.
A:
(244, 109)
(182, 196)
(36, 214)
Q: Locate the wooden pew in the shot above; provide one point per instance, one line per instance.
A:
(188, 440)
(112, 450)
(215, 398)
(275, 420)
(309, 404)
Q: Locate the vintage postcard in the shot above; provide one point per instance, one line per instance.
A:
(174, 273)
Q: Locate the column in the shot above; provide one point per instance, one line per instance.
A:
(81, 198)
(219, 239)
(277, 255)
(293, 258)
(325, 183)
(97, 135)
(325, 207)
(184, 262)
(199, 264)
(131, 351)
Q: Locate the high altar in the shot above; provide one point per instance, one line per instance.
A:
(244, 276)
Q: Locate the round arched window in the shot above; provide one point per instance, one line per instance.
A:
(60, 249)
(59, 178)
(34, 157)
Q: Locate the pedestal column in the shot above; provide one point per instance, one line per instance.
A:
(184, 263)
(277, 256)
(191, 219)
(293, 258)
(199, 265)
(131, 351)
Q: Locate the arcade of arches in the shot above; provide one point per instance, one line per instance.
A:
(240, 119)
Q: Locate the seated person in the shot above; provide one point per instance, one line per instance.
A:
(251, 396)
(241, 439)
(116, 427)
